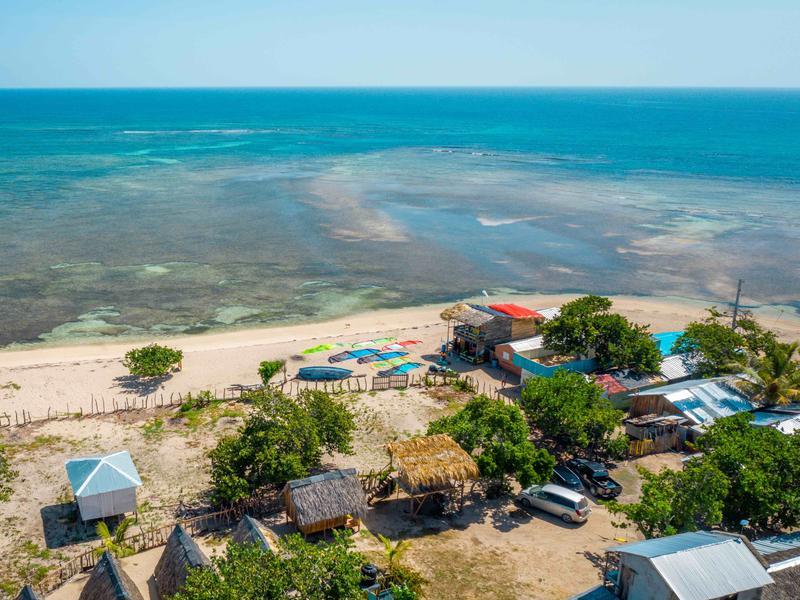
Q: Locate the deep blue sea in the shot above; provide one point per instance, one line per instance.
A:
(134, 212)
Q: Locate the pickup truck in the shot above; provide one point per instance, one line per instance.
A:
(595, 476)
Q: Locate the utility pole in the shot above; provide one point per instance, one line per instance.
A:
(736, 305)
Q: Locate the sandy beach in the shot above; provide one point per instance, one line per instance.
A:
(66, 378)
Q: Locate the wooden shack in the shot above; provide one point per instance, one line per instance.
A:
(109, 582)
(431, 465)
(480, 328)
(181, 554)
(325, 501)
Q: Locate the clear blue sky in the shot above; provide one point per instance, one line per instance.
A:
(94, 43)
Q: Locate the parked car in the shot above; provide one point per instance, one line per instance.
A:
(565, 477)
(596, 478)
(569, 506)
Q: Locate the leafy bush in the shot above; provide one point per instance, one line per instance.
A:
(268, 368)
(301, 570)
(282, 439)
(571, 410)
(152, 360)
(203, 399)
(497, 434)
(463, 385)
(745, 472)
(586, 325)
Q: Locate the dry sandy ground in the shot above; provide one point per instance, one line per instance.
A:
(66, 378)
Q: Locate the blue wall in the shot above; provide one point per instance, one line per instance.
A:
(582, 366)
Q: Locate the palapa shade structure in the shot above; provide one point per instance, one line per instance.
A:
(253, 531)
(109, 582)
(325, 501)
(431, 464)
(180, 555)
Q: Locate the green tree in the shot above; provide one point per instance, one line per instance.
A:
(152, 360)
(744, 472)
(334, 421)
(675, 501)
(775, 377)
(394, 552)
(7, 475)
(299, 570)
(268, 368)
(497, 435)
(114, 544)
(280, 440)
(571, 410)
(717, 348)
(586, 325)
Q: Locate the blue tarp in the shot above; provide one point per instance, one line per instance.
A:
(666, 340)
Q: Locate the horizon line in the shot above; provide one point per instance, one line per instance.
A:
(399, 87)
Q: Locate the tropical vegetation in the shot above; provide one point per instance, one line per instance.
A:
(283, 438)
(299, 570)
(572, 411)
(268, 368)
(114, 543)
(587, 325)
(743, 473)
(152, 360)
(496, 434)
(774, 378)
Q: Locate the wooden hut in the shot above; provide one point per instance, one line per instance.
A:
(27, 593)
(253, 531)
(109, 582)
(325, 501)
(180, 555)
(431, 465)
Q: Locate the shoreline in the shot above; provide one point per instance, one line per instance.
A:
(653, 310)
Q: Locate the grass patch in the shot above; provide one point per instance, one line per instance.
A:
(153, 428)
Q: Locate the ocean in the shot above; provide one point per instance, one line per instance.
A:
(145, 212)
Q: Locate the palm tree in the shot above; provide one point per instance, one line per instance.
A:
(775, 379)
(115, 544)
(394, 551)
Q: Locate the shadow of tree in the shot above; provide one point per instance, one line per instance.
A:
(143, 386)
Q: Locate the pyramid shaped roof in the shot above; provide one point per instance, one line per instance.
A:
(101, 474)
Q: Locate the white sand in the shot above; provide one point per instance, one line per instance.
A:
(66, 377)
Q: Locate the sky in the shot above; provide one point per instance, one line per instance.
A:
(199, 43)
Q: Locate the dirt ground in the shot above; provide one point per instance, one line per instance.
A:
(493, 549)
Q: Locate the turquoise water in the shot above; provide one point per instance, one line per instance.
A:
(138, 212)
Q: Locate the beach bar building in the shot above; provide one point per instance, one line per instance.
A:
(181, 554)
(104, 486)
(109, 582)
(431, 465)
(325, 501)
(480, 328)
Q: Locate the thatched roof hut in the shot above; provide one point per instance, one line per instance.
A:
(325, 501)
(431, 463)
(253, 531)
(109, 582)
(180, 554)
(27, 593)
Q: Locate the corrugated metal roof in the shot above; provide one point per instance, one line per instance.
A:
(677, 366)
(549, 313)
(338, 474)
(705, 400)
(596, 593)
(101, 474)
(670, 544)
(532, 343)
(777, 543)
(702, 565)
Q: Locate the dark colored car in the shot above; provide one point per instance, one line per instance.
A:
(563, 476)
(595, 477)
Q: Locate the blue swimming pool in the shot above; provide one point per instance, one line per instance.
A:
(666, 340)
